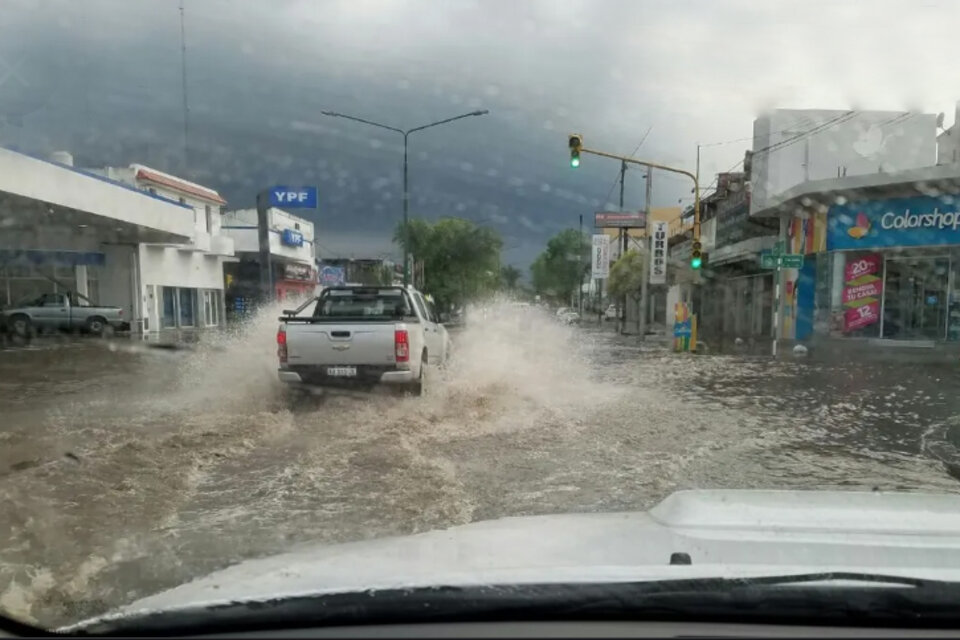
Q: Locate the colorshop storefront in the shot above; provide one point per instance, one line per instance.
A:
(883, 269)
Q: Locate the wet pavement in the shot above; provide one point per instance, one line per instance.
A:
(125, 470)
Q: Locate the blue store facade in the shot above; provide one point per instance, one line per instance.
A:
(885, 268)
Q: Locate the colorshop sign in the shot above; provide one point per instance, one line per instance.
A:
(894, 222)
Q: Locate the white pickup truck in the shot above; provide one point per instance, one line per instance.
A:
(360, 336)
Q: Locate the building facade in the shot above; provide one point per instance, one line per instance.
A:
(292, 258)
(178, 287)
(94, 233)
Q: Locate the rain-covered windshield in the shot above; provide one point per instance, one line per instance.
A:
(655, 246)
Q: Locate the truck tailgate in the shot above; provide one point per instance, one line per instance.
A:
(366, 343)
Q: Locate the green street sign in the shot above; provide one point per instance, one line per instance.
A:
(779, 247)
(768, 261)
(791, 260)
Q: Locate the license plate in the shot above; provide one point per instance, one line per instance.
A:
(342, 372)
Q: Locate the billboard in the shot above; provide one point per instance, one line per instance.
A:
(620, 219)
(600, 257)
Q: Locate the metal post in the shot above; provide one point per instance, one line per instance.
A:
(645, 286)
(406, 216)
(779, 288)
(622, 241)
(580, 269)
(263, 236)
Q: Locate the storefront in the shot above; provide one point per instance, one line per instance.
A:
(883, 268)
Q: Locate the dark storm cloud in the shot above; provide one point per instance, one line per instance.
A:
(102, 79)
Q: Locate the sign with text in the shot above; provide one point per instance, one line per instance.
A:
(620, 219)
(291, 238)
(862, 291)
(600, 257)
(332, 276)
(293, 197)
(658, 253)
(919, 221)
(297, 272)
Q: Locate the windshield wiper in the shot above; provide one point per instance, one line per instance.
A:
(879, 600)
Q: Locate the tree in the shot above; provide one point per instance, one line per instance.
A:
(559, 269)
(509, 276)
(461, 260)
(626, 275)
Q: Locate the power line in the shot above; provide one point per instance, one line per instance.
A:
(617, 179)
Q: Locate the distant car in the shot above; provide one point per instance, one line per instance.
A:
(610, 313)
(562, 310)
(54, 312)
(570, 317)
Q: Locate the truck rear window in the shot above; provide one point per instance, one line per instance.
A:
(367, 303)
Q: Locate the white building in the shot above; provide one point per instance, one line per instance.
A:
(292, 254)
(66, 229)
(179, 285)
(795, 146)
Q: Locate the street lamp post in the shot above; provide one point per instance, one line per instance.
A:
(406, 191)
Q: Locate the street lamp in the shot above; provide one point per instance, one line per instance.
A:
(406, 193)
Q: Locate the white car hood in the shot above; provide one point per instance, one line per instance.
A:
(725, 533)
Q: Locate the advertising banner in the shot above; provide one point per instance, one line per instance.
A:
(862, 291)
(863, 316)
(600, 257)
(658, 253)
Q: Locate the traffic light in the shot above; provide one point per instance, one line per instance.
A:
(696, 255)
(576, 141)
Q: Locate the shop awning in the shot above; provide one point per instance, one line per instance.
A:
(818, 195)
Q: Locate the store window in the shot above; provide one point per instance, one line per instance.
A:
(169, 319)
(915, 297)
(210, 308)
(209, 214)
(187, 312)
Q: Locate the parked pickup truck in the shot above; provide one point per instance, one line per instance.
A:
(359, 336)
(54, 312)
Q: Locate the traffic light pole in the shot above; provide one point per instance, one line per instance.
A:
(663, 167)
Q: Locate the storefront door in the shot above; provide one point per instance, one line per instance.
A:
(915, 298)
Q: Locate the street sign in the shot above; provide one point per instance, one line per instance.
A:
(791, 260)
(620, 219)
(770, 260)
(293, 197)
(600, 257)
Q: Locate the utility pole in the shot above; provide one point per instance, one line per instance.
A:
(622, 242)
(263, 241)
(645, 285)
(580, 269)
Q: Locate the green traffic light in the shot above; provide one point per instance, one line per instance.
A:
(574, 162)
(695, 263)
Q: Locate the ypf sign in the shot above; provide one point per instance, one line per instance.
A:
(293, 197)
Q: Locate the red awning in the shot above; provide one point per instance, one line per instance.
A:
(180, 185)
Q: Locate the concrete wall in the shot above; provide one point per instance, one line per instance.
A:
(845, 144)
(117, 279)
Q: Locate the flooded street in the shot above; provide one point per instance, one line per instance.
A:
(125, 470)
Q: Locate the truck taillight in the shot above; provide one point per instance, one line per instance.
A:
(401, 343)
(120, 313)
(282, 344)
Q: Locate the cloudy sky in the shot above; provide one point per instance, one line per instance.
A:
(102, 78)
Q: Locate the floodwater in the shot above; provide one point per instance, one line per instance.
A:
(125, 470)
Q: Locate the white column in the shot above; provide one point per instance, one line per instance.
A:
(80, 273)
